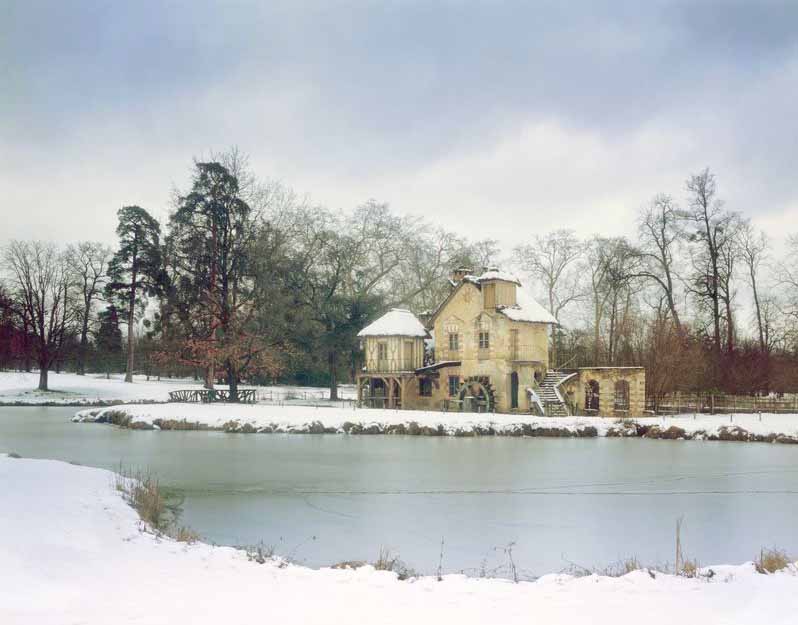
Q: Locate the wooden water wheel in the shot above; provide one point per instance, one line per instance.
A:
(481, 392)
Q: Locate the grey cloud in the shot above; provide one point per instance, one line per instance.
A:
(356, 98)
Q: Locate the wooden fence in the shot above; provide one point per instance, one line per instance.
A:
(719, 403)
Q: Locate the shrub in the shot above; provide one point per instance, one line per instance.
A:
(14, 454)
(143, 493)
(772, 560)
(623, 567)
(389, 562)
(185, 535)
(689, 568)
(348, 564)
(260, 553)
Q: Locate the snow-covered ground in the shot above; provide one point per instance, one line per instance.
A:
(69, 388)
(71, 551)
(284, 418)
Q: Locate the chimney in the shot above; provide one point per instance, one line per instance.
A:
(460, 273)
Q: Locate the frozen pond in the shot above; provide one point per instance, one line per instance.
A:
(326, 498)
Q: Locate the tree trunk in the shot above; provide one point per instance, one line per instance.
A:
(611, 339)
(553, 353)
(43, 376)
(729, 327)
(596, 334)
(84, 341)
(26, 343)
(232, 383)
(210, 373)
(131, 313)
(762, 344)
(331, 361)
(672, 305)
(716, 315)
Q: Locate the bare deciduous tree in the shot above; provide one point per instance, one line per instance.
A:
(729, 254)
(610, 267)
(710, 234)
(659, 234)
(754, 250)
(552, 259)
(40, 276)
(88, 264)
(788, 277)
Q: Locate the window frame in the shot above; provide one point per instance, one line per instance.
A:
(484, 339)
(382, 350)
(454, 342)
(453, 389)
(425, 387)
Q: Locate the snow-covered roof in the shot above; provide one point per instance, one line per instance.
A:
(527, 309)
(443, 364)
(496, 274)
(396, 322)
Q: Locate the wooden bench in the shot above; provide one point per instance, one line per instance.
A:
(209, 396)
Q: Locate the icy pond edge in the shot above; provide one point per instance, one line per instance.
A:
(285, 419)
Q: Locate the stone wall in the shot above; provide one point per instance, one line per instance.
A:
(607, 377)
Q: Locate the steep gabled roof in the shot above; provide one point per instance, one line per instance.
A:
(526, 308)
(455, 287)
(396, 322)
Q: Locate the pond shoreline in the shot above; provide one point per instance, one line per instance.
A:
(106, 537)
(260, 419)
(78, 403)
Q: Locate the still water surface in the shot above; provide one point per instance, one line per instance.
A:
(326, 498)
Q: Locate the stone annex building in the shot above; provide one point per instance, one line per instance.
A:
(485, 349)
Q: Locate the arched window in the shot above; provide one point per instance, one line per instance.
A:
(622, 395)
(592, 395)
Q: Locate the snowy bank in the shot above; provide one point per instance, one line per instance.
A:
(74, 552)
(70, 389)
(781, 428)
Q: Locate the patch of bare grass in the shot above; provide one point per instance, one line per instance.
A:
(622, 567)
(260, 553)
(616, 569)
(689, 568)
(143, 493)
(185, 534)
(387, 561)
(348, 564)
(772, 560)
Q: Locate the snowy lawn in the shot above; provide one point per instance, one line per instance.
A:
(71, 551)
(277, 418)
(70, 388)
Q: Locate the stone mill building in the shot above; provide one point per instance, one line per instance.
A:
(485, 349)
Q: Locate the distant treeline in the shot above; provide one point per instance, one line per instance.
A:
(249, 281)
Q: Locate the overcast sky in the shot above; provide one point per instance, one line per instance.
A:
(494, 119)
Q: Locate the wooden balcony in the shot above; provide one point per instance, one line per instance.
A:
(391, 365)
